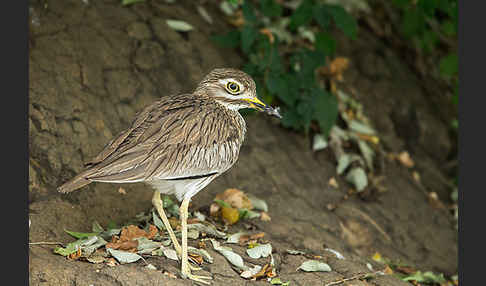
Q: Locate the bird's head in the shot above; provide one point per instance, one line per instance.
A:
(233, 89)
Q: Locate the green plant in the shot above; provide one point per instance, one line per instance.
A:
(426, 22)
(288, 78)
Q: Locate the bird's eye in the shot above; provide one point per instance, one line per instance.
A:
(233, 87)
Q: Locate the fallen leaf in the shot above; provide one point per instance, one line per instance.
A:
(265, 217)
(201, 252)
(204, 14)
(151, 267)
(278, 281)
(405, 159)
(264, 272)
(112, 262)
(237, 19)
(179, 26)
(295, 252)
(75, 255)
(171, 275)
(131, 232)
(79, 235)
(122, 191)
(196, 258)
(251, 272)
(234, 258)
(248, 214)
(262, 250)
(426, 277)
(123, 256)
(235, 237)
(388, 270)
(333, 183)
(96, 227)
(360, 127)
(214, 209)
(208, 229)
(230, 215)
(130, 2)
(314, 266)
(174, 223)
(243, 239)
(235, 198)
(319, 142)
(357, 177)
(170, 253)
(416, 176)
(258, 204)
(338, 255)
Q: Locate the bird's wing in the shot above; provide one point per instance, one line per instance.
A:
(171, 139)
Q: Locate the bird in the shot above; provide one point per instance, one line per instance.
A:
(178, 145)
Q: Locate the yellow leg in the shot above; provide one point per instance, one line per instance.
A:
(158, 204)
(185, 269)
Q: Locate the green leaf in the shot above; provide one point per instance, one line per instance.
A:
(130, 2)
(247, 214)
(302, 15)
(449, 28)
(401, 3)
(322, 16)
(291, 119)
(428, 40)
(228, 40)
(248, 37)
(222, 203)
(249, 13)
(325, 43)
(326, 110)
(343, 20)
(270, 8)
(448, 65)
(426, 277)
(428, 6)
(81, 234)
(413, 22)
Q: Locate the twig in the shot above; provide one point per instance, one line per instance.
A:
(358, 276)
(45, 243)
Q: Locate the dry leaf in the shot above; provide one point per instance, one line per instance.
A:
(122, 191)
(416, 176)
(265, 217)
(237, 19)
(130, 245)
(198, 259)
(434, 201)
(247, 237)
(131, 232)
(214, 209)
(76, 255)
(333, 183)
(388, 270)
(268, 33)
(174, 223)
(171, 275)
(335, 68)
(112, 262)
(263, 273)
(235, 198)
(230, 215)
(405, 159)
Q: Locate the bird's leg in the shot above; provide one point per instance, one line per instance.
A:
(185, 269)
(157, 202)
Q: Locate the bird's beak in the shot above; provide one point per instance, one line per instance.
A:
(262, 106)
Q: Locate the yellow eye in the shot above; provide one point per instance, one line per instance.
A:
(233, 87)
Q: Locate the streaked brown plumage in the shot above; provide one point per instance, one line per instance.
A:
(179, 144)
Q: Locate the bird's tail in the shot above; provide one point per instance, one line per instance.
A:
(75, 183)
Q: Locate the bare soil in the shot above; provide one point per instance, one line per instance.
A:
(93, 66)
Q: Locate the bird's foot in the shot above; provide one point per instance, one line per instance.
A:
(186, 273)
